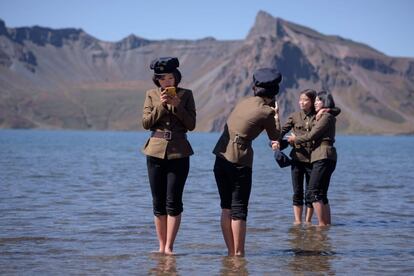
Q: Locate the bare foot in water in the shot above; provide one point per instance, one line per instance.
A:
(169, 253)
(157, 252)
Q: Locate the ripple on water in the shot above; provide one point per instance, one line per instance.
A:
(81, 204)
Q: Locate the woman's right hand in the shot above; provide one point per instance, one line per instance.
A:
(164, 98)
(167, 99)
(275, 145)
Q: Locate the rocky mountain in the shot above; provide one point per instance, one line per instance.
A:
(68, 79)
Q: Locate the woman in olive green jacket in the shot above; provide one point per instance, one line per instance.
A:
(234, 155)
(323, 156)
(169, 112)
(300, 123)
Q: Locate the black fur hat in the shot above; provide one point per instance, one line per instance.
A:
(164, 65)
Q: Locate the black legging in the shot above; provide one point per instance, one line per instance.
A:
(167, 179)
(300, 171)
(234, 183)
(319, 180)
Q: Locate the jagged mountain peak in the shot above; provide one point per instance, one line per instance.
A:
(131, 42)
(3, 29)
(266, 25)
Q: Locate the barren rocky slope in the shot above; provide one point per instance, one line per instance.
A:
(68, 79)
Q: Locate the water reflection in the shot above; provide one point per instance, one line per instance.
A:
(65, 195)
(311, 250)
(164, 265)
(234, 266)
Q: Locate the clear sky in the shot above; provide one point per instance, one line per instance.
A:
(386, 25)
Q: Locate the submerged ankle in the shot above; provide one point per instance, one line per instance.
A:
(239, 254)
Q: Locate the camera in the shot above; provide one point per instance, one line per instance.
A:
(170, 91)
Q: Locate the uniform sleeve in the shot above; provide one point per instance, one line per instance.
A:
(317, 131)
(287, 127)
(186, 112)
(335, 111)
(272, 127)
(151, 114)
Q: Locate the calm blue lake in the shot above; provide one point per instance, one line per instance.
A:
(74, 202)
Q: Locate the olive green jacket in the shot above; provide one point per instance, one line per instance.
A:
(247, 120)
(299, 123)
(157, 117)
(322, 136)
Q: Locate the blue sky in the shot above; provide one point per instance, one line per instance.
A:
(386, 25)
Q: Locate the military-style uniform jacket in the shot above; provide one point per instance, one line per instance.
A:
(300, 123)
(248, 119)
(160, 119)
(323, 137)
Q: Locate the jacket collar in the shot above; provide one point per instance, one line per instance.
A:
(268, 101)
(303, 114)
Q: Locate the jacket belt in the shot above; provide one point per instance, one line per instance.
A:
(327, 143)
(169, 135)
(324, 143)
(241, 141)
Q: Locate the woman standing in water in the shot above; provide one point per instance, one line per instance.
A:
(300, 123)
(323, 156)
(169, 112)
(234, 155)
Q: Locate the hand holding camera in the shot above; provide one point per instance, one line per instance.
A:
(169, 96)
(170, 91)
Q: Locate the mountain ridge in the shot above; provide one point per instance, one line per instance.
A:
(66, 78)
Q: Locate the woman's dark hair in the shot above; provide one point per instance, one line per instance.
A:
(266, 92)
(177, 77)
(326, 98)
(311, 94)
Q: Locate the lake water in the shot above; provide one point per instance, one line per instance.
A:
(74, 202)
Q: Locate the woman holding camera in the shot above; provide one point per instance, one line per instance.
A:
(169, 112)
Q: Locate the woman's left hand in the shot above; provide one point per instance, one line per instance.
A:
(291, 138)
(174, 101)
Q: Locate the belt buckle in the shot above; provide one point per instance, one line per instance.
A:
(167, 135)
